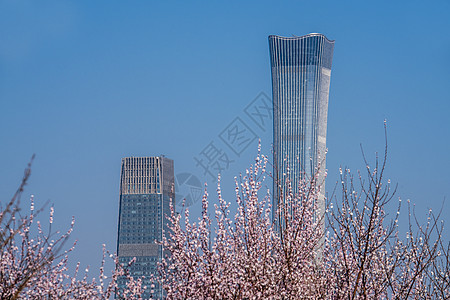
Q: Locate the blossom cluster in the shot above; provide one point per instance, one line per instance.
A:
(34, 261)
(349, 251)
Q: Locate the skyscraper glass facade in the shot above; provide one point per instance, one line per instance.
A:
(146, 190)
(301, 70)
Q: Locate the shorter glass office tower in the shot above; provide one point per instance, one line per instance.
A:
(146, 190)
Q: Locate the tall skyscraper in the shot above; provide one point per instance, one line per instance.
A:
(301, 69)
(146, 190)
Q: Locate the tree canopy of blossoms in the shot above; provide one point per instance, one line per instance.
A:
(361, 255)
(33, 261)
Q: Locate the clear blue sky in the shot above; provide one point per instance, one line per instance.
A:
(85, 83)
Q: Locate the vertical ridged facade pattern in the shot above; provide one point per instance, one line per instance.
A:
(143, 175)
(146, 190)
(301, 70)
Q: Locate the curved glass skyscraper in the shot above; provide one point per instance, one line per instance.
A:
(301, 69)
